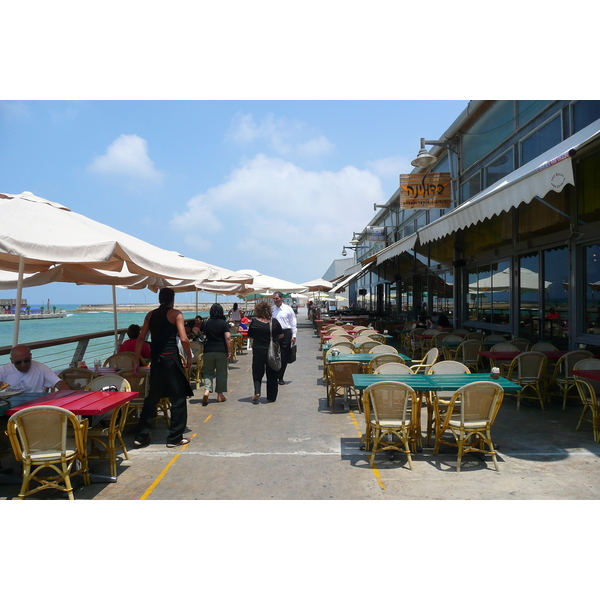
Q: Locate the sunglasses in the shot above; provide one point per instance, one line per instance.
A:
(25, 360)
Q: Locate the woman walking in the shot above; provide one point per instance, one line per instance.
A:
(217, 351)
(167, 374)
(260, 332)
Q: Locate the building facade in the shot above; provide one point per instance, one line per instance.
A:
(518, 251)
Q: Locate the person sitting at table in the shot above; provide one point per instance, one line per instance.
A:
(424, 322)
(24, 373)
(443, 321)
(133, 331)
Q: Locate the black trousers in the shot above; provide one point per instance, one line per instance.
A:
(285, 343)
(260, 365)
(167, 379)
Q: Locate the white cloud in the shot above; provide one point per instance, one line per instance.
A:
(391, 166)
(127, 157)
(285, 137)
(278, 218)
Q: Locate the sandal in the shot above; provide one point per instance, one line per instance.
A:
(205, 399)
(255, 398)
(221, 399)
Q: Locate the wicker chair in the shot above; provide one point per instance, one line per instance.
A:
(121, 360)
(384, 358)
(476, 406)
(378, 337)
(475, 335)
(366, 347)
(528, 369)
(561, 377)
(383, 349)
(540, 346)
(468, 354)
(422, 366)
(390, 415)
(438, 402)
(522, 344)
(39, 436)
(413, 343)
(119, 382)
(107, 441)
(339, 377)
(76, 378)
(589, 398)
(494, 337)
(393, 368)
(342, 349)
(450, 353)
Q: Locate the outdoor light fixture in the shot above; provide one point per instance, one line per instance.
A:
(426, 159)
(344, 248)
(376, 206)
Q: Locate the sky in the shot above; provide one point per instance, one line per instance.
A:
(247, 136)
(274, 186)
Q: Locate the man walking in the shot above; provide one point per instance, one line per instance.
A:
(286, 316)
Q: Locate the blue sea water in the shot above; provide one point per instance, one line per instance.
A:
(73, 324)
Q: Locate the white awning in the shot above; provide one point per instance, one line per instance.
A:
(404, 245)
(551, 171)
(349, 279)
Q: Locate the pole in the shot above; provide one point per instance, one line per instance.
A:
(114, 297)
(18, 306)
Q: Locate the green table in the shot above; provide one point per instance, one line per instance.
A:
(363, 358)
(433, 383)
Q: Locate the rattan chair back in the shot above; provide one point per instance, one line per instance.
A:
(76, 378)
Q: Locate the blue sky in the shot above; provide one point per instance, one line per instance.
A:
(251, 135)
(276, 186)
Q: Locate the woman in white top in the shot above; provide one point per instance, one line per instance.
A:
(234, 314)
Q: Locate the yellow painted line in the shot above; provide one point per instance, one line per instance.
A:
(207, 418)
(374, 469)
(164, 471)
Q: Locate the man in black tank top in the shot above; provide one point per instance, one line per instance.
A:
(168, 377)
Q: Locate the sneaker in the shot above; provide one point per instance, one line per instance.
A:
(183, 442)
(141, 443)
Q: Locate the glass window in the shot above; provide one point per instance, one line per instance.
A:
(500, 168)
(529, 296)
(500, 293)
(592, 288)
(527, 109)
(543, 139)
(556, 290)
(471, 187)
(588, 188)
(489, 131)
(584, 113)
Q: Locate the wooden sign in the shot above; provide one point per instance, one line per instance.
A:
(425, 190)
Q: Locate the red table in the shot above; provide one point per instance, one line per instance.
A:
(588, 373)
(84, 403)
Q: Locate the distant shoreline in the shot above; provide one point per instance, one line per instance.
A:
(143, 308)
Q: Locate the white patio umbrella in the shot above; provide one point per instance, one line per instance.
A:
(318, 285)
(38, 234)
(266, 285)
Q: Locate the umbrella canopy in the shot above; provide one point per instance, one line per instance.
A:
(318, 285)
(266, 285)
(38, 234)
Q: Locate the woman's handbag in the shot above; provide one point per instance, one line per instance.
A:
(274, 355)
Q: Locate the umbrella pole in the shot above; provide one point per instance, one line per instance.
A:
(197, 302)
(18, 306)
(114, 297)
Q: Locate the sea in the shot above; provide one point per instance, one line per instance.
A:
(75, 323)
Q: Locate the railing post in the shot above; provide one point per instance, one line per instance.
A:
(80, 351)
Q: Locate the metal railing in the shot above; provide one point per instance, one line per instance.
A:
(63, 352)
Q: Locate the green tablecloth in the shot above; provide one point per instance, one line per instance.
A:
(433, 383)
(363, 358)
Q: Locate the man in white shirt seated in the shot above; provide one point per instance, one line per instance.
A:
(24, 373)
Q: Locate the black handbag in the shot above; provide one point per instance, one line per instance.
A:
(293, 351)
(274, 354)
